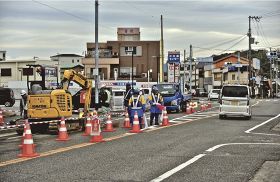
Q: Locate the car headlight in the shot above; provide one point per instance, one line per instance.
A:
(174, 102)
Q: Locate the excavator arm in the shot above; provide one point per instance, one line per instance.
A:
(82, 81)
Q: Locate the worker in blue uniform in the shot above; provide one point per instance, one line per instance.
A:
(136, 103)
(156, 101)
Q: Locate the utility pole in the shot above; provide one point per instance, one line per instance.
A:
(251, 41)
(96, 56)
(191, 68)
(270, 63)
(162, 52)
(238, 74)
(184, 80)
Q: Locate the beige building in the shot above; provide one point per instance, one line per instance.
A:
(116, 57)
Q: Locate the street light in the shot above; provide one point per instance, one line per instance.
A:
(149, 71)
(132, 52)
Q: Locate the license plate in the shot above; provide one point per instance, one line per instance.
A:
(234, 102)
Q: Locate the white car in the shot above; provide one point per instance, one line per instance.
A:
(117, 100)
(214, 94)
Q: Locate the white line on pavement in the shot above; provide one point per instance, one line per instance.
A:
(178, 168)
(251, 129)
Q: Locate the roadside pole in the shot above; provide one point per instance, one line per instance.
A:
(190, 68)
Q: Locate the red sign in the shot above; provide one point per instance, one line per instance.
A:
(82, 97)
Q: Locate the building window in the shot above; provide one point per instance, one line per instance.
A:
(233, 77)
(225, 76)
(78, 61)
(27, 71)
(217, 77)
(128, 50)
(72, 60)
(6, 72)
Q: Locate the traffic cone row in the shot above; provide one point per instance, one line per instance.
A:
(1, 118)
(23, 135)
(209, 105)
(202, 107)
(28, 147)
(62, 135)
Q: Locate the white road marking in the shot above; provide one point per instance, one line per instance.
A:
(194, 159)
(178, 168)
(14, 137)
(251, 129)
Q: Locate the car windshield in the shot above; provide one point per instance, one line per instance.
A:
(216, 91)
(234, 91)
(166, 88)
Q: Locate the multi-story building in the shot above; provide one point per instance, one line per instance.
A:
(116, 58)
(225, 71)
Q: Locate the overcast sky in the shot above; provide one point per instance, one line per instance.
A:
(45, 28)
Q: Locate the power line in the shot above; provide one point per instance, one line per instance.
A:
(62, 11)
(234, 44)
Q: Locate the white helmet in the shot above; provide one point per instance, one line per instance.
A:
(22, 92)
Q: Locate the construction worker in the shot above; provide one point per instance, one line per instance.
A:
(136, 103)
(23, 104)
(128, 93)
(155, 100)
(105, 96)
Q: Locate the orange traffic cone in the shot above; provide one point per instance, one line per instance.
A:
(188, 110)
(88, 127)
(96, 132)
(192, 107)
(165, 120)
(209, 105)
(28, 147)
(202, 107)
(109, 125)
(62, 135)
(1, 118)
(126, 123)
(135, 126)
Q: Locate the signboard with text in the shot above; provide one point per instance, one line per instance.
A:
(173, 72)
(173, 57)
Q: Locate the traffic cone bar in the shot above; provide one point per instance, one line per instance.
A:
(62, 135)
(126, 123)
(135, 126)
(28, 148)
(109, 125)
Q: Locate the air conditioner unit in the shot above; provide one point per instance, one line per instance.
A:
(144, 74)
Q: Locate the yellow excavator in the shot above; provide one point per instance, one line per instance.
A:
(46, 104)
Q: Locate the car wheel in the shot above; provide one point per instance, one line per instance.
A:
(7, 104)
(222, 116)
(179, 109)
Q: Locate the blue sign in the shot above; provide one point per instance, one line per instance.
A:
(173, 57)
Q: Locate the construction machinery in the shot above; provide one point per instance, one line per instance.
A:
(46, 103)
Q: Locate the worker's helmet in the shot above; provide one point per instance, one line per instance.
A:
(22, 92)
(135, 91)
(154, 89)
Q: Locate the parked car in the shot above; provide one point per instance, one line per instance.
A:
(201, 92)
(235, 100)
(214, 94)
(7, 97)
(117, 103)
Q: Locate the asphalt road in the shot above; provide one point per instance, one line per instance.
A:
(199, 147)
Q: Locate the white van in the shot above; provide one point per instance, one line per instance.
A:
(117, 100)
(235, 101)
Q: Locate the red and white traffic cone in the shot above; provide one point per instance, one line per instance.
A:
(209, 105)
(28, 147)
(126, 123)
(165, 120)
(1, 118)
(62, 135)
(109, 125)
(135, 126)
(88, 127)
(188, 110)
(96, 132)
(202, 107)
